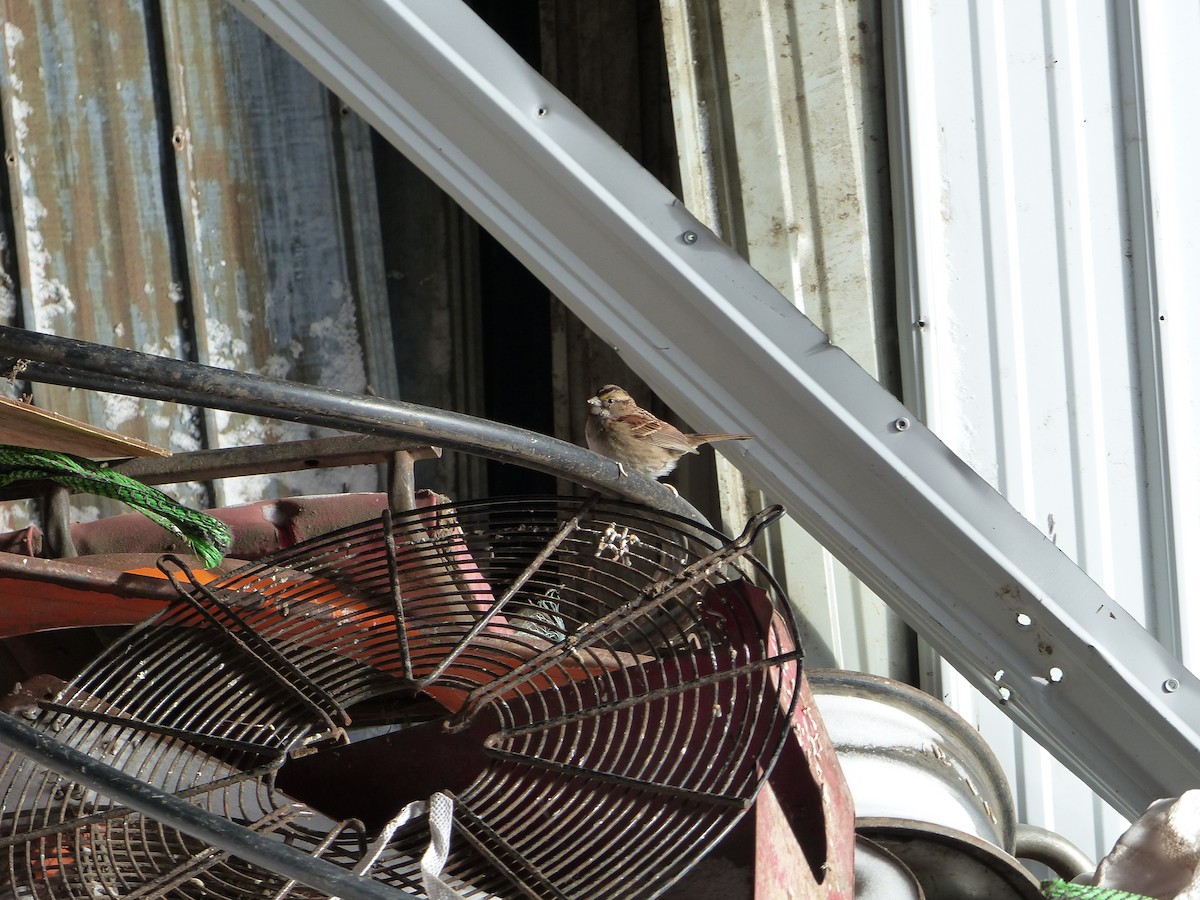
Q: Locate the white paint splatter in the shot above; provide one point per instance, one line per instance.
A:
(20, 111)
(8, 298)
(8, 293)
(14, 37)
(339, 344)
(224, 349)
(277, 365)
(84, 512)
(16, 515)
(185, 436)
(119, 409)
(51, 298)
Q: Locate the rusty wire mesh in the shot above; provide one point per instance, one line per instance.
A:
(619, 682)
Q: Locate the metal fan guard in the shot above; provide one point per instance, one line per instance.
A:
(622, 679)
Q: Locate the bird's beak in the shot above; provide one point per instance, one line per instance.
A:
(593, 401)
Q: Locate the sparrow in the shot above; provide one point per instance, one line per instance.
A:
(638, 440)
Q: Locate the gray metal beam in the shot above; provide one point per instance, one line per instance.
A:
(726, 350)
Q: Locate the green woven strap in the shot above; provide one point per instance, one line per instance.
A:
(1067, 891)
(209, 538)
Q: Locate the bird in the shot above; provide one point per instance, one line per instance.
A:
(638, 440)
(209, 537)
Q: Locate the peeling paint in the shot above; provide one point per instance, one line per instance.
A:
(339, 344)
(270, 238)
(224, 349)
(120, 409)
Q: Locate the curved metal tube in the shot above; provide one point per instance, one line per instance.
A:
(217, 831)
(1053, 850)
(66, 361)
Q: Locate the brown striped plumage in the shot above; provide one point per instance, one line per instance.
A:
(618, 428)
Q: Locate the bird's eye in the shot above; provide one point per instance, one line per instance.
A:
(610, 400)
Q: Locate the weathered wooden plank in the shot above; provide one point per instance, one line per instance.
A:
(276, 185)
(91, 225)
(25, 425)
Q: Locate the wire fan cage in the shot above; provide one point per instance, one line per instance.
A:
(600, 687)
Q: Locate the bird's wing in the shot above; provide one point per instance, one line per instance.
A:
(651, 428)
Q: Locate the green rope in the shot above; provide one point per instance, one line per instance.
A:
(208, 537)
(1067, 891)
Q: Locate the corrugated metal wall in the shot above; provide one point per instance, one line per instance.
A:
(180, 185)
(1036, 307)
(779, 113)
(1035, 158)
(177, 182)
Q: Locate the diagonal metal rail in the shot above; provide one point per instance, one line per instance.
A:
(56, 360)
(724, 348)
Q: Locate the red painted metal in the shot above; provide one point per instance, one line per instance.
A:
(259, 528)
(804, 817)
(96, 588)
(799, 841)
(44, 594)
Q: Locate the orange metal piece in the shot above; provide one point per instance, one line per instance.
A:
(43, 594)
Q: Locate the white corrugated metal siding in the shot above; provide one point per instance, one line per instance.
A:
(1047, 200)
(779, 115)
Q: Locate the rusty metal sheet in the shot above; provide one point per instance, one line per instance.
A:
(805, 816)
(276, 189)
(44, 595)
(181, 186)
(25, 425)
(83, 150)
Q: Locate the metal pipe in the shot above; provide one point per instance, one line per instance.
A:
(1051, 849)
(214, 830)
(65, 361)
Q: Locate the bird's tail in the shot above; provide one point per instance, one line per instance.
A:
(709, 438)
